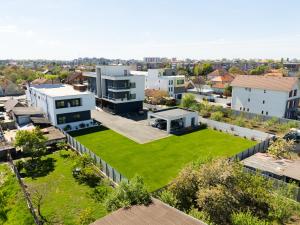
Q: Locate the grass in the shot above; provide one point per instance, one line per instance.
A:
(13, 208)
(63, 197)
(159, 162)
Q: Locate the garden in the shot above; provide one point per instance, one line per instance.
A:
(226, 115)
(159, 162)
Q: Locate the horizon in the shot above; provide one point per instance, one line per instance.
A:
(201, 30)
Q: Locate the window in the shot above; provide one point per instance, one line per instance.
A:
(263, 101)
(75, 102)
(264, 91)
(243, 109)
(60, 104)
(247, 109)
(291, 94)
(61, 119)
(76, 116)
(125, 72)
(132, 96)
(248, 99)
(179, 82)
(262, 112)
(295, 92)
(267, 113)
(132, 85)
(240, 108)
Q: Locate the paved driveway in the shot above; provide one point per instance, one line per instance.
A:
(138, 131)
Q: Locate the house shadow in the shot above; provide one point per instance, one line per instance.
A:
(90, 130)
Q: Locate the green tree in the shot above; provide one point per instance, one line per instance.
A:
(128, 194)
(259, 70)
(196, 70)
(188, 100)
(236, 70)
(206, 68)
(32, 142)
(228, 90)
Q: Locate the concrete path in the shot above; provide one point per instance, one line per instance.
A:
(139, 132)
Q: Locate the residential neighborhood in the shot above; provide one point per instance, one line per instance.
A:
(149, 113)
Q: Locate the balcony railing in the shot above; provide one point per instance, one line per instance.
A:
(116, 99)
(119, 87)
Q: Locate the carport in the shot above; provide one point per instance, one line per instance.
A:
(185, 118)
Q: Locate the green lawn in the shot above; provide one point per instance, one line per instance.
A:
(13, 207)
(159, 161)
(63, 197)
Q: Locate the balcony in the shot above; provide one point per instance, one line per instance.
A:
(118, 88)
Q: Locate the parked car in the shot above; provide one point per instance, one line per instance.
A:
(294, 135)
(160, 123)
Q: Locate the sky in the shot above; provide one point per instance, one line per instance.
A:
(195, 29)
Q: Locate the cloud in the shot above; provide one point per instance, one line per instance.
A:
(8, 29)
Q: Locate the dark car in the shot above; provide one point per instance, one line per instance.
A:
(292, 135)
(159, 123)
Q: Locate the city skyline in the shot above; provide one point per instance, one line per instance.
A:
(126, 29)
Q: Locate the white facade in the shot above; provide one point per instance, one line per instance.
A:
(155, 79)
(63, 105)
(265, 102)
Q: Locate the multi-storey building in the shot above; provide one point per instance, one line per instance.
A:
(68, 107)
(293, 68)
(164, 79)
(116, 89)
(270, 96)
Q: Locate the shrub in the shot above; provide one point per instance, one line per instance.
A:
(281, 148)
(100, 192)
(67, 128)
(168, 198)
(204, 113)
(86, 217)
(240, 121)
(88, 176)
(200, 215)
(217, 116)
(246, 218)
(127, 194)
(188, 100)
(271, 123)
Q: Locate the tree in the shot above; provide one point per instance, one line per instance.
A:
(281, 148)
(32, 142)
(128, 194)
(155, 96)
(206, 68)
(259, 70)
(196, 70)
(188, 100)
(236, 70)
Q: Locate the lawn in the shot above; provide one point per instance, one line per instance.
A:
(13, 206)
(63, 197)
(159, 162)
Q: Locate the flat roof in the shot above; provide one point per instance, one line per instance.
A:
(172, 113)
(154, 214)
(57, 90)
(21, 111)
(281, 167)
(89, 74)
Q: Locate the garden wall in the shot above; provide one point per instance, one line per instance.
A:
(236, 130)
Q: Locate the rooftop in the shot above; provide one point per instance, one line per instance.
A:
(155, 214)
(265, 82)
(281, 167)
(22, 111)
(172, 113)
(57, 90)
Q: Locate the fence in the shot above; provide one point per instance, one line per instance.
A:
(260, 147)
(293, 191)
(236, 130)
(26, 194)
(106, 169)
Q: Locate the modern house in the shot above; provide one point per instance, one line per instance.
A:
(270, 96)
(293, 68)
(65, 106)
(165, 80)
(116, 88)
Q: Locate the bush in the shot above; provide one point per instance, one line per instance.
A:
(281, 148)
(240, 121)
(200, 215)
(100, 192)
(188, 100)
(128, 194)
(217, 116)
(204, 113)
(247, 218)
(86, 217)
(168, 198)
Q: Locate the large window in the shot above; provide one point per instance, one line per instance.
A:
(73, 117)
(68, 103)
(61, 119)
(179, 82)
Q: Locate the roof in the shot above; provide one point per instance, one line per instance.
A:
(219, 85)
(172, 113)
(10, 104)
(44, 81)
(156, 213)
(217, 72)
(282, 167)
(275, 73)
(265, 82)
(53, 134)
(39, 120)
(22, 111)
(74, 76)
(225, 78)
(57, 90)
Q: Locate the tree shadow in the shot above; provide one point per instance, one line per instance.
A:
(38, 167)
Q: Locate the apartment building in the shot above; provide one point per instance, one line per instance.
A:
(270, 96)
(293, 68)
(164, 79)
(65, 106)
(116, 88)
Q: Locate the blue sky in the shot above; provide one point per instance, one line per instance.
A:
(197, 29)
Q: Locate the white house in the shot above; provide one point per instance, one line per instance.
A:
(68, 107)
(116, 89)
(164, 79)
(270, 96)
